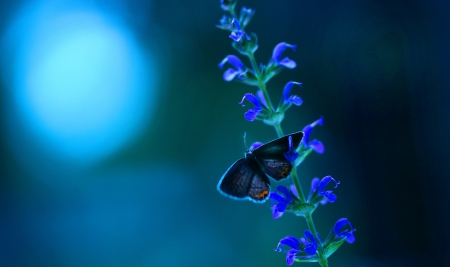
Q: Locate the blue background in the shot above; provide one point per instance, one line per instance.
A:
(117, 126)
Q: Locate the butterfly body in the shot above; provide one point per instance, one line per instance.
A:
(248, 178)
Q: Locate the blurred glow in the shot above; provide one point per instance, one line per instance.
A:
(80, 82)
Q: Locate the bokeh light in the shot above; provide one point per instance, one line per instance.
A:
(81, 86)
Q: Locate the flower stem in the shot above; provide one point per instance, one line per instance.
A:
(322, 260)
(298, 185)
(261, 83)
(233, 13)
(278, 130)
(309, 220)
(262, 86)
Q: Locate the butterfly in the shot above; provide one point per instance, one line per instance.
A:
(248, 178)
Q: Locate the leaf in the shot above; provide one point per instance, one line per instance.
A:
(332, 247)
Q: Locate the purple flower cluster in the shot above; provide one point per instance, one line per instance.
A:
(281, 199)
(318, 192)
(303, 248)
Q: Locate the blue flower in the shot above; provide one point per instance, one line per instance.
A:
(280, 201)
(261, 97)
(314, 144)
(287, 99)
(343, 228)
(291, 154)
(276, 55)
(236, 35)
(231, 73)
(225, 23)
(246, 15)
(303, 248)
(251, 114)
(320, 186)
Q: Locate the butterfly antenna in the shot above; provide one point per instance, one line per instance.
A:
(245, 140)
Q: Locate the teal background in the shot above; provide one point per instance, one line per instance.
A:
(376, 70)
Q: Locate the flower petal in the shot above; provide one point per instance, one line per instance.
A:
(290, 241)
(281, 207)
(233, 60)
(246, 15)
(287, 89)
(308, 129)
(318, 122)
(288, 63)
(324, 182)
(290, 256)
(276, 214)
(314, 184)
(311, 249)
(261, 97)
(229, 74)
(237, 35)
(339, 226)
(294, 190)
(276, 197)
(317, 146)
(310, 236)
(311, 245)
(251, 114)
(284, 190)
(291, 155)
(330, 196)
(296, 100)
(350, 238)
(251, 98)
(279, 49)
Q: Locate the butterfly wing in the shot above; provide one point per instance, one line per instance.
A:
(244, 180)
(271, 159)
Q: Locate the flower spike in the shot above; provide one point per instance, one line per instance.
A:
(251, 114)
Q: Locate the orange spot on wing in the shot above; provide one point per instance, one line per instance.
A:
(285, 172)
(263, 194)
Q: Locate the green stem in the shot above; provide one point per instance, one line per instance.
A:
(298, 185)
(311, 227)
(261, 83)
(278, 130)
(233, 14)
(262, 86)
(322, 260)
